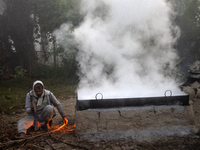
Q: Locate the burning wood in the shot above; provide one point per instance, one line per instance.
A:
(67, 129)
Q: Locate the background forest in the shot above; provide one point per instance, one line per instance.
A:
(28, 50)
(27, 42)
(28, 46)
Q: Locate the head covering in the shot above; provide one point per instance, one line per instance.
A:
(39, 97)
(36, 82)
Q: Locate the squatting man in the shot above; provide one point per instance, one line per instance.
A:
(39, 109)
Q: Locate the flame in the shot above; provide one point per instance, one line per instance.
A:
(66, 129)
(70, 128)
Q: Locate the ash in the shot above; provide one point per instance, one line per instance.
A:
(151, 135)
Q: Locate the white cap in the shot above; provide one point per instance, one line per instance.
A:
(36, 82)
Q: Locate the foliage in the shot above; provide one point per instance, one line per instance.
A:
(1, 72)
(12, 95)
(51, 72)
(49, 15)
(16, 30)
(20, 72)
(25, 22)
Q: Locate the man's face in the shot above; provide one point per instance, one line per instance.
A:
(38, 91)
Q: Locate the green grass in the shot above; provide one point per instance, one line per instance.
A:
(13, 92)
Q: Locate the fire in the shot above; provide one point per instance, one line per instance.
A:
(70, 128)
(62, 129)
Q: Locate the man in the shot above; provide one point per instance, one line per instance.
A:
(39, 109)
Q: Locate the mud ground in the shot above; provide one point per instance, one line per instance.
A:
(66, 139)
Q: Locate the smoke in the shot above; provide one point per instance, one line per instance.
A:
(2, 7)
(126, 49)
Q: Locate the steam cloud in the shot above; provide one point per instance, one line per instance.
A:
(126, 49)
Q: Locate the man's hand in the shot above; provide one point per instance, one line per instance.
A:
(65, 121)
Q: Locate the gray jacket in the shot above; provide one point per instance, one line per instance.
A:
(51, 99)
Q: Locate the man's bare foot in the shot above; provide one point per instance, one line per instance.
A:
(21, 136)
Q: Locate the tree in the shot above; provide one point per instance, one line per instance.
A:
(17, 35)
(25, 21)
(49, 15)
(189, 41)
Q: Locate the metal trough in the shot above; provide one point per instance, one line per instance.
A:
(141, 118)
(182, 100)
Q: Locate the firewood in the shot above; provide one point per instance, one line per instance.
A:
(11, 142)
(50, 144)
(70, 144)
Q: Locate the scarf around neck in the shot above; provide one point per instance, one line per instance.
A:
(39, 99)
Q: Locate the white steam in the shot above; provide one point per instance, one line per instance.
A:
(126, 49)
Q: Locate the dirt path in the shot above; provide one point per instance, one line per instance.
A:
(64, 139)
